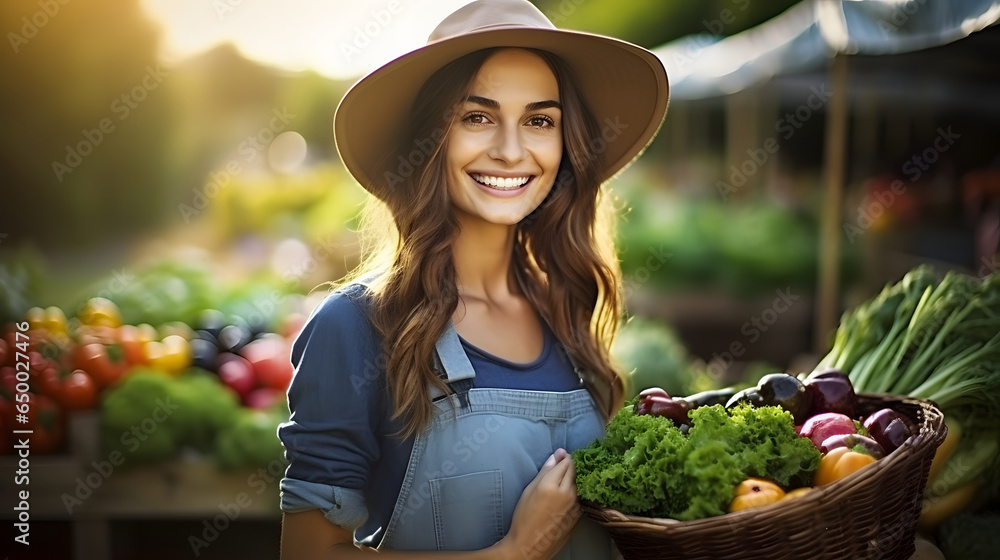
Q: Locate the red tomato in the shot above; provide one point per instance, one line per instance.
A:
(104, 369)
(237, 374)
(45, 419)
(271, 360)
(131, 339)
(79, 392)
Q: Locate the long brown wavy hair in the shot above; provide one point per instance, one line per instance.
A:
(563, 261)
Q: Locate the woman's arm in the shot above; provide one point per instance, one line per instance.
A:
(544, 517)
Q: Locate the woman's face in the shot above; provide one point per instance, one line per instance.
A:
(503, 152)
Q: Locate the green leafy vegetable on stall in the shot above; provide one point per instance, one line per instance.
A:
(152, 416)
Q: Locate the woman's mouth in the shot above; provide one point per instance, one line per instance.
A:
(501, 183)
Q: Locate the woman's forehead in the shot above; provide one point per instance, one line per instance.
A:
(513, 74)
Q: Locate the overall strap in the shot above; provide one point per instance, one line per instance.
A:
(451, 362)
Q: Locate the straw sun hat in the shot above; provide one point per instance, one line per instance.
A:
(624, 85)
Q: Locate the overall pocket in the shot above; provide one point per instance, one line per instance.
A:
(468, 510)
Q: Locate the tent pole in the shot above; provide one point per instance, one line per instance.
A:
(829, 262)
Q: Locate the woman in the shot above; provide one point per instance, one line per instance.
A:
(438, 392)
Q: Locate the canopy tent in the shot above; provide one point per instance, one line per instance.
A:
(808, 35)
(816, 35)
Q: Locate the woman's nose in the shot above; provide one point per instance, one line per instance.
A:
(507, 144)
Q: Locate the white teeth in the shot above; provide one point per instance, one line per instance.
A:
(505, 183)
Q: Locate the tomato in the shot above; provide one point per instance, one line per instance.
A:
(237, 374)
(98, 311)
(131, 339)
(271, 360)
(105, 364)
(79, 392)
(45, 419)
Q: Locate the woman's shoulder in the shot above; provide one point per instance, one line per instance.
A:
(348, 306)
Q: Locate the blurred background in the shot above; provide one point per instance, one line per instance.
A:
(169, 166)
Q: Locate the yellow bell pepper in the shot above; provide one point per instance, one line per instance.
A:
(839, 463)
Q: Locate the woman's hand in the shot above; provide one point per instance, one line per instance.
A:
(546, 513)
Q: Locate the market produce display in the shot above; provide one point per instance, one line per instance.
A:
(691, 458)
(215, 385)
(937, 340)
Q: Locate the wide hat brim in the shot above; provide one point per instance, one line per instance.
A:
(624, 85)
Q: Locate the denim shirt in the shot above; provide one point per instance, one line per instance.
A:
(343, 456)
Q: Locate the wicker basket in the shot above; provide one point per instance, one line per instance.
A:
(870, 514)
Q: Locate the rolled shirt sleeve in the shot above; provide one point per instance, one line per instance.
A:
(336, 399)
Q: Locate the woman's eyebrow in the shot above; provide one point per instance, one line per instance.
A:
(533, 106)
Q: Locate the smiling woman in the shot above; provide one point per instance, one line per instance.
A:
(440, 387)
(503, 155)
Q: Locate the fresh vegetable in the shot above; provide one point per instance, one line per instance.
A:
(100, 312)
(270, 357)
(936, 509)
(78, 392)
(839, 463)
(822, 426)
(797, 493)
(854, 442)
(708, 398)
(105, 364)
(786, 391)
(237, 374)
(935, 340)
(250, 441)
(889, 428)
(46, 421)
(750, 396)
(755, 492)
(645, 465)
(151, 416)
(171, 355)
(831, 394)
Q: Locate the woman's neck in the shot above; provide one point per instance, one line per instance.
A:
(483, 254)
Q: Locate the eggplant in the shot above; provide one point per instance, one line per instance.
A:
(831, 394)
(750, 396)
(827, 374)
(852, 441)
(708, 398)
(889, 428)
(786, 391)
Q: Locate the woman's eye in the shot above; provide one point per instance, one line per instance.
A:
(476, 118)
(541, 122)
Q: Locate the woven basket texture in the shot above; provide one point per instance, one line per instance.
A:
(871, 514)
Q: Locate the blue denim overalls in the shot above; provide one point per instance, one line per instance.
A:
(468, 468)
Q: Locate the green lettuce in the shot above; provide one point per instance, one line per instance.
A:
(646, 466)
